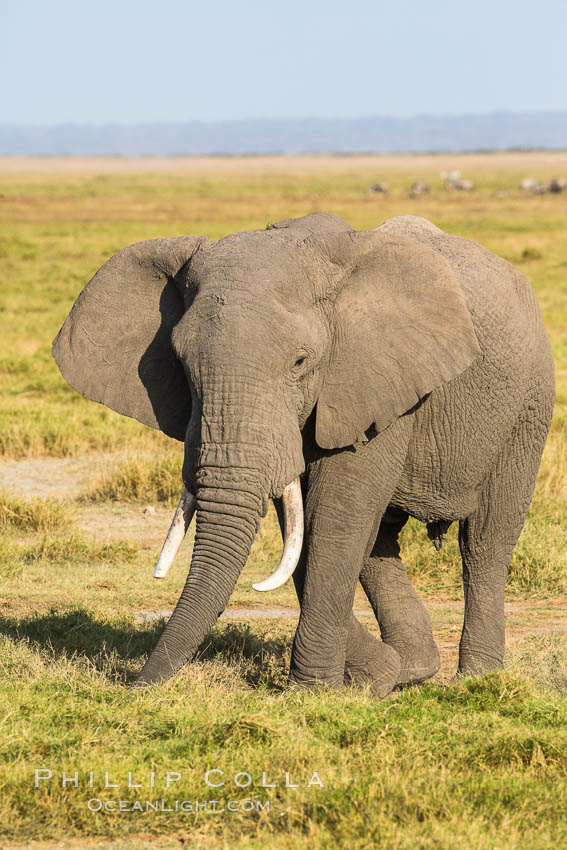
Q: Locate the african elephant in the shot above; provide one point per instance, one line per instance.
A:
(394, 372)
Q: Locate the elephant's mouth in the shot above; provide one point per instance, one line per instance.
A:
(292, 502)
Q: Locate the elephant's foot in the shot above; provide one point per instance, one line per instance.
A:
(366, 661)
(309, 680)
(417, 649)
(404, 622)
(370, 661)
(476, 659)
(317, 659)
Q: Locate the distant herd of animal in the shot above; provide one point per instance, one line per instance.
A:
(453, 180)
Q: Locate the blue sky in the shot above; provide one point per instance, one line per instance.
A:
(177, 60)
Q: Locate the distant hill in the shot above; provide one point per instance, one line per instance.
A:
(420, 134)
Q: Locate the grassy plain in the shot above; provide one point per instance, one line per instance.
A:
(452, 764)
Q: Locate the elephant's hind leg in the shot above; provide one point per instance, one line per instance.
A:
(404, 622)
(487, 539)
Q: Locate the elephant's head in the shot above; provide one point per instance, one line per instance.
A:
(231, 346)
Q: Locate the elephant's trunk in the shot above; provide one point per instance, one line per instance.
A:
(292, 501)
(227, 520)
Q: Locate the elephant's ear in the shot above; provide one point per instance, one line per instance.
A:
(401, 329)
(115, 345)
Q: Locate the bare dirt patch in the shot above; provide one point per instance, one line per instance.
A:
(69, 478)
(125, 522)
(60, 478)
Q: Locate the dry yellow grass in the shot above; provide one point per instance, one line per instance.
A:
(532, 162)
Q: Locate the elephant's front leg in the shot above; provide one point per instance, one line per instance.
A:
(370, 661)
(367, 660)
(345, 498)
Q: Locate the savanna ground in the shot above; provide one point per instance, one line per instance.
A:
(86, 498)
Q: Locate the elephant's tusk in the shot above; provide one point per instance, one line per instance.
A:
(177, 530)
(293, 538)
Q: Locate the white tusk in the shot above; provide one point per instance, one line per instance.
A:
(177, 530)
(293, 538)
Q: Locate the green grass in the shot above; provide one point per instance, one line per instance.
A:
(477, 763)
(469, 763)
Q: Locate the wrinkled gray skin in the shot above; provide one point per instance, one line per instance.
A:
(401, 372)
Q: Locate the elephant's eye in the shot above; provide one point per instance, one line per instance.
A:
(301, 363)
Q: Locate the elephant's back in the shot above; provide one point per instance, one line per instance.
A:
(502, 303)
